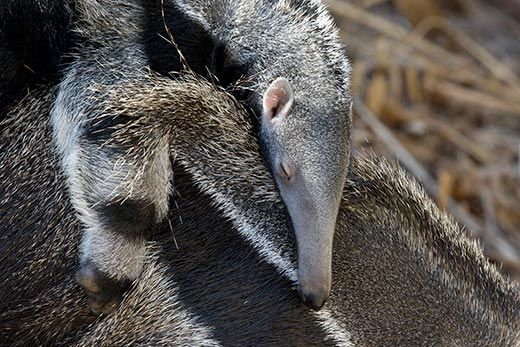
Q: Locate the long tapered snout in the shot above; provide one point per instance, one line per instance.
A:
(314, 237)
(312, 198)
(314, 224)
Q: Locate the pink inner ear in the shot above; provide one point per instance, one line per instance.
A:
(271, 104)
(278, 99)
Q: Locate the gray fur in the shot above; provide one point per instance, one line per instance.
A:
(298, 41)
(403, 272)
(96, 174)
(123, 177)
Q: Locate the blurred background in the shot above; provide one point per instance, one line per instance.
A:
(436, 85)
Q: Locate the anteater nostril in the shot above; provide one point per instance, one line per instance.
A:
(312, 299)
(315, 302)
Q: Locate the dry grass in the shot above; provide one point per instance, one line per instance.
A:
(436, 85)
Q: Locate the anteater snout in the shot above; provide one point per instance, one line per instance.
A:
(315, 298)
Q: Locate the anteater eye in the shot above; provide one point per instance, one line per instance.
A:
(285, 171)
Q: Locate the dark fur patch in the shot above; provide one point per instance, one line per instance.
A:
(101, 130)
(132, 218)
(33, 38)
(196, 44)
(205, 54)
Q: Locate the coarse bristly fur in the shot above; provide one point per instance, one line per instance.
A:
(298, 85)
(404, 273)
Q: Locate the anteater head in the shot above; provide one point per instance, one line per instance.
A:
(306, 143)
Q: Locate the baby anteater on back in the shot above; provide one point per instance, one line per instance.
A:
(298, 87)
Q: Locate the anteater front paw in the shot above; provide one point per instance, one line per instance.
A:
(104, 293)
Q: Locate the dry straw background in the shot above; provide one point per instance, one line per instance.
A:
(437, 86)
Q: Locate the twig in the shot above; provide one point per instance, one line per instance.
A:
(490, 85)
(394, 31)
(372, 3)
(471, 97)
(496, 67)
(445, 130)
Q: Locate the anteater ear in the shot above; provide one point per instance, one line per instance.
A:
(278, 100)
